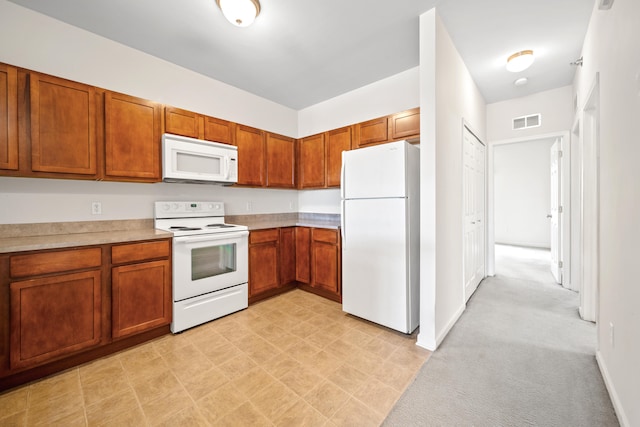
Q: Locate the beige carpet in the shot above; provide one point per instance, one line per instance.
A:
(519, 356)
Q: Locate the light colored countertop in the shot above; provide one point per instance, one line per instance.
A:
(32, 237)
(261, 222)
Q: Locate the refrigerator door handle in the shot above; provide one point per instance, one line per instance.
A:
(344, 166)
(343, 231)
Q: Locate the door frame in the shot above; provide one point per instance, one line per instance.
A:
(588, 132)
(466, 125)
(565, 194)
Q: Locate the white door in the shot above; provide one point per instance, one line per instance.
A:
(554, 214)
(473, 212)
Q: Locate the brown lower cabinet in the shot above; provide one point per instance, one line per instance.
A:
(141, 288)
(270, 259)
(69, 306)
(305, 257)
(319, 268)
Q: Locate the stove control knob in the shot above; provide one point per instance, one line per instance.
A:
(176, 206)
(166, 207)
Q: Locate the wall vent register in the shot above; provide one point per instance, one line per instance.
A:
(526, 122)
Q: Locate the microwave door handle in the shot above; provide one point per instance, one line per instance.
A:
(227, 166)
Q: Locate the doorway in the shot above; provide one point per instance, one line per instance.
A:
(527, 221)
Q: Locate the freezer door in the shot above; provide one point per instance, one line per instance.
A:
(374, 172)
(375, 274)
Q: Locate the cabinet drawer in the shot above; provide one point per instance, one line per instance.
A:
(262, 236)
(325, 235)
(54, 262)
(140, 251)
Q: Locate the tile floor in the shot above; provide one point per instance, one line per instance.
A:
(295, 360)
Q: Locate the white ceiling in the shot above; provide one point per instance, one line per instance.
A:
(301, 52)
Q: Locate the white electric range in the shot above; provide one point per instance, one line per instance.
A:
(210, 261)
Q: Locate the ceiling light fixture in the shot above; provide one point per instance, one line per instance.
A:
(240, 13)
(520, 61)
(521, 81)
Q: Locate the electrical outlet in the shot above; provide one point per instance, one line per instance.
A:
(96, 208)
(611, 336)
(291, 205)
(249, 206)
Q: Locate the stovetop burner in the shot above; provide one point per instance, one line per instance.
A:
(193, 218)
(183, 228)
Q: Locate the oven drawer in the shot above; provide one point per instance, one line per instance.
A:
(195, 311)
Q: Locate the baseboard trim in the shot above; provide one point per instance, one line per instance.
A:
(442, 335)
(617, 405)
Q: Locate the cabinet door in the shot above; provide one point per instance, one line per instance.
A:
(251, 156)
(338, 140)
(182, 122)
(133, 138)
(287, 255)
(263, 261)
(405, 124)
(54, 316)
(325, 258)
(63, 126)
(218, 130)
(141, 295)
(303, 254)
(372, 132)
(280, 161)
(312, 162)
(8, 117)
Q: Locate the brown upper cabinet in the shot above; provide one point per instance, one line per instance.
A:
(218, 130)
(312, 158)
(320, 158)
(281, 154)
(372, 132)
(338, 140)
(133, 129)
(63, 126)
(8, 117)
(183, 122)
(403, 125)
(251, 156)
(194, 125)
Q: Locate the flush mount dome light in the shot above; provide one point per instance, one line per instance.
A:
(520, 61)
(241, 13)
(521, 81)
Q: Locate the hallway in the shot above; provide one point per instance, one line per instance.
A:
(519, 355)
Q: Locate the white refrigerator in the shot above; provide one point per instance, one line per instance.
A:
(380, 206)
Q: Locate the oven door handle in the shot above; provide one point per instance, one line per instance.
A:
(210, 237)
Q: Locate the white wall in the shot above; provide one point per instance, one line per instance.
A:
(30, 200)
(448, 95)
(612, 47)
(522, 193)
(555, 106)
(391, 95)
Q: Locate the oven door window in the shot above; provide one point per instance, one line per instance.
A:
(213, 261)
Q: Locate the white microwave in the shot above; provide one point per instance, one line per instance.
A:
(196, 161)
